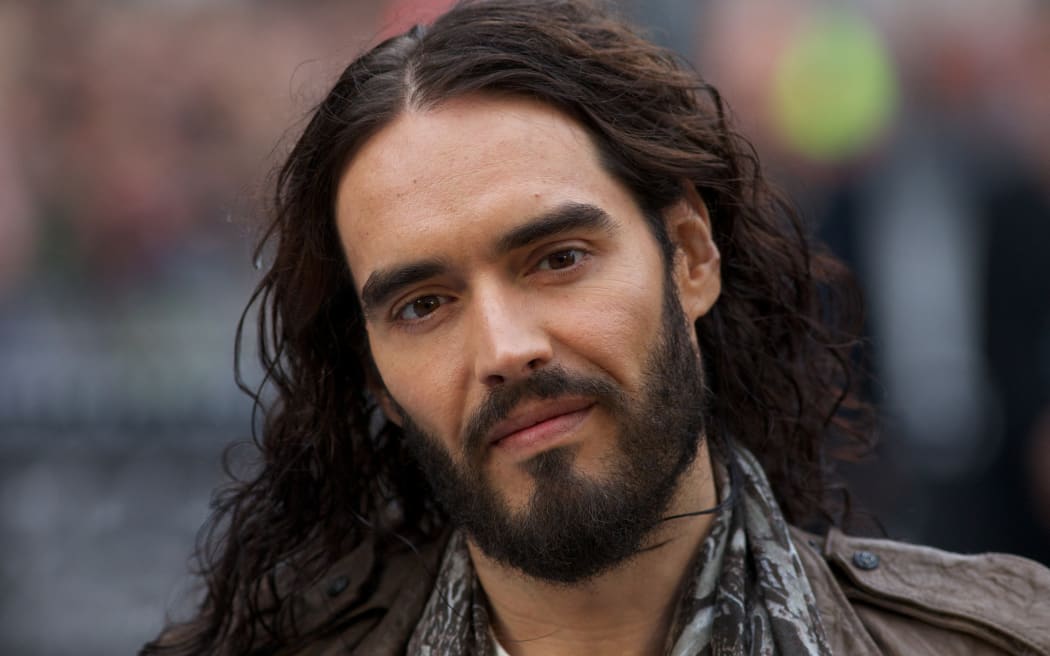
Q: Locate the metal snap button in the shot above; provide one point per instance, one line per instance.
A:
(337, 586)
(865, 560)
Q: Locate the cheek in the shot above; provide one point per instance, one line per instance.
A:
(614, 322)
(423, 385)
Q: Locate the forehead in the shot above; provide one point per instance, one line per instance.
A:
(457, 173)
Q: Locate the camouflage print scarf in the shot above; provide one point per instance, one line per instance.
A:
(748, 595)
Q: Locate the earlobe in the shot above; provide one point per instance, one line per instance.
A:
(697, 265)
(374, 383)
(389, 408)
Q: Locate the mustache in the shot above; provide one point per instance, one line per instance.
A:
(547, 383)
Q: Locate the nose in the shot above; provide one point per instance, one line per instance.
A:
(510, 341)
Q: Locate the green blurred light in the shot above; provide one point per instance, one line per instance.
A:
(834, 89)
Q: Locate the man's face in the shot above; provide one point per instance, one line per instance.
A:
(518, 314)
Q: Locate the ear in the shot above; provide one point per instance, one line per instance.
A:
(374, 383)
(697, 263)
(386, 404)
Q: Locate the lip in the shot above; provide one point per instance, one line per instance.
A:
(535, 424)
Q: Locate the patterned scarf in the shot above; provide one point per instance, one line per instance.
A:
(748, 594)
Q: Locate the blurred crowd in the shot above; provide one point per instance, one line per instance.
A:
(136, 139)
(916, 137)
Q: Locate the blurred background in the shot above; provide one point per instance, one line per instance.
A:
(135, 143)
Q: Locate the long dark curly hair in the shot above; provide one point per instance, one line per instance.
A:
(779, 346)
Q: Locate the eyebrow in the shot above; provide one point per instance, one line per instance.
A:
(383, 284)
(564, 218)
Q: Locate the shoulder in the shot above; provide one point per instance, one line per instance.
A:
(880, 596)
(368, 602)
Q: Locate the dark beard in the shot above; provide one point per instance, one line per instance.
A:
(575, 528)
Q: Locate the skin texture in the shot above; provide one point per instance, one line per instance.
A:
(445, 185)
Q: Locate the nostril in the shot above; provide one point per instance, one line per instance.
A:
(535, 364)
(494, 380)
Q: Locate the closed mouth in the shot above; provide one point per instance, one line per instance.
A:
(532, 413)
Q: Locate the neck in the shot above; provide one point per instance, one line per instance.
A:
(627, 610)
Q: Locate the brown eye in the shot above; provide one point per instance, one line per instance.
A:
(561, 259)
(420, 307)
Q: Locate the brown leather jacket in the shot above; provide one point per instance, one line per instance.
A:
(884, 597)
(874, 596)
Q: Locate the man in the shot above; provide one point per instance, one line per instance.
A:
(554, 370)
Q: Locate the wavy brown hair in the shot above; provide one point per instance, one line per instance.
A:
(778, 346)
